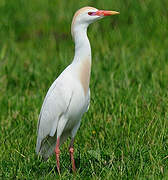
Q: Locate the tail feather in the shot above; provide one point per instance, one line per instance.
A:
(46, 147)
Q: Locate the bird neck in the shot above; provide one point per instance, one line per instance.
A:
(82, 45)
(82, 57)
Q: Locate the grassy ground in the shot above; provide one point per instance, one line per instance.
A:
(124, 135)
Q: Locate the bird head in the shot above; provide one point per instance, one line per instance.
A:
(87, 15)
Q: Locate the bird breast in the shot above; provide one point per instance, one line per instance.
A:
(76, 78)
(84, 74)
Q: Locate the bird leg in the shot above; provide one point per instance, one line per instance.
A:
(57, 152)
(71, 151)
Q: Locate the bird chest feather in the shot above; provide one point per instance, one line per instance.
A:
(84, 74)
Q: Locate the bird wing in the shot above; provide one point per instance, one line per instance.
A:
(54, 106)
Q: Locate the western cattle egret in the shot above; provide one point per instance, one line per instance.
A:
(68, 97)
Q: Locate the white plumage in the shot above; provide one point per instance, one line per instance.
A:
(61, 111)
(68, 97)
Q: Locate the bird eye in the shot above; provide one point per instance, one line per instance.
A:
(91, 13)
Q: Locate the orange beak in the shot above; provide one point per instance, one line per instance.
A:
(103, 13)
(106, 13)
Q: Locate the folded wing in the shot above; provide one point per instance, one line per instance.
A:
(54, 106)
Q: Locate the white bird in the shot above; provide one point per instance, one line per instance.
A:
(68, 97)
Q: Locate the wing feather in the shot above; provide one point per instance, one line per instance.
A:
(54, 106)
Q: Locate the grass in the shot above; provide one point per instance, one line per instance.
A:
(124, 135)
